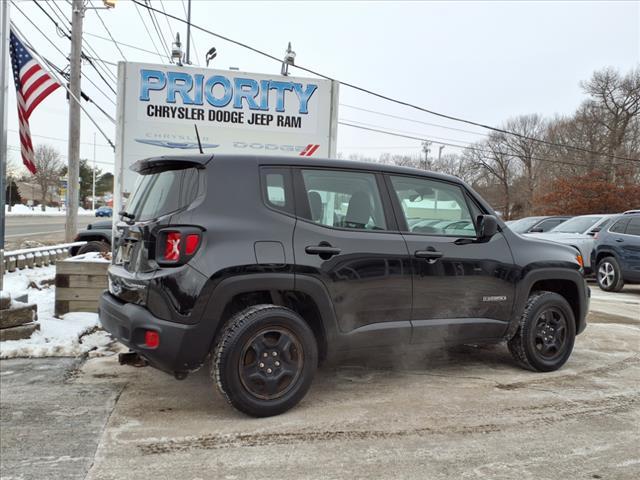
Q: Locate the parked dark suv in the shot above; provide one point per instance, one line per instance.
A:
(617, 253)
(267, 265)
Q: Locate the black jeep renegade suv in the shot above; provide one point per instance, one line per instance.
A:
(266, 265)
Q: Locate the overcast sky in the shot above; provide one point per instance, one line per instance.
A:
(485, 61)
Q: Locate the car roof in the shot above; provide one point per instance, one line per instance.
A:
(204, 159)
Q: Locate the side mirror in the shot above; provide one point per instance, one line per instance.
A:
(487, 226)
(536, 230)
(593, 231)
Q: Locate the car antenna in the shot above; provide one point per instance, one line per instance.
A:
(198, 137)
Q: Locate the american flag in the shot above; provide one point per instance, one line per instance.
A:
(33, 85)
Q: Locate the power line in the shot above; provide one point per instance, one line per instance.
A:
(60, 139)
(54, 75)
(109, 33)
(63, 54)
(398, 130)
(146, 28)
(475, 149)
(126, 45)
(18, 149)
(156, 26)
(82, 94)
(398, 117)
(394, 100)
(167, 19)
(63, 18)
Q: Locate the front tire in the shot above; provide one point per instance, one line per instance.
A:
(265, 360)
(609, 275)
(544, 340)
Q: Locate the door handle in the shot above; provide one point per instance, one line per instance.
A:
(619, 240)
(428, 254)
(325, 251)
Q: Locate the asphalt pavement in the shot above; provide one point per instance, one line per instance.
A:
(464, 413)
(50, 423)
(43, 228)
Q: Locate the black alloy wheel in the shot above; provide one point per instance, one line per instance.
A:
(265, 359)
(551, 333)
(270, 363)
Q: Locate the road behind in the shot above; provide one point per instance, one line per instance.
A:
(41, 228)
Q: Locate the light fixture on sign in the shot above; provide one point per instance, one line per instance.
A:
(289, 59)
(176, 51)
(211, 54)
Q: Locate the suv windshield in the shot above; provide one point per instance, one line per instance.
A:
(162, 193)
(576, 225)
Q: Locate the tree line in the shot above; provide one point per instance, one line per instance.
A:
(589, 173)
(50, 171)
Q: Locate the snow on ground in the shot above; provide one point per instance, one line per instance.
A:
(58, 337)
(37, 210)
(92, 257)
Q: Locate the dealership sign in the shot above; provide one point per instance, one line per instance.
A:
(235, 112)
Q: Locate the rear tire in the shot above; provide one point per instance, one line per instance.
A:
(265, 360)
(544, 340)
(609, 275)
(94, 246)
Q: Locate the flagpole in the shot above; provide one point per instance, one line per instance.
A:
(4, 147)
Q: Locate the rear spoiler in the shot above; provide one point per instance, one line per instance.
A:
(151, 165)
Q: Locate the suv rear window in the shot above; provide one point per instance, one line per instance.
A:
(161, 193)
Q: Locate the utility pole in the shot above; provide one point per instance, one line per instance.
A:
(188, 62)
(73, 194)
(440, 148)
(4, 148)
(93, 184)
(426, 148)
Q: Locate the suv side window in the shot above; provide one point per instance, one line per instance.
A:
(633, 228)
(548, 224)
(276, 188)
(619, 226)
(343, 199)
(432, 207)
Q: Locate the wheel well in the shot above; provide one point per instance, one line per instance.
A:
(299, 302)
(602, 255)
(93, 238)
(565, 288)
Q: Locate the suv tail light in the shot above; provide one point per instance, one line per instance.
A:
(176, 246)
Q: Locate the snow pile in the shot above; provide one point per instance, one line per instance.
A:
(37, 210)
(74, 334)
(97, 257)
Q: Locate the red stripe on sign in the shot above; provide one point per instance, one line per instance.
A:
(306, 149)
(313, 150)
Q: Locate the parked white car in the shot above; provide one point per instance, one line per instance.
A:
(579, 232)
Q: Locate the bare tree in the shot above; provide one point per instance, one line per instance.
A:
(614, 103)
(496, 165)
(48, 169)
(527, 151)
(457, 165)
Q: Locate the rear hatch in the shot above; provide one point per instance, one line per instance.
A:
(164, 189)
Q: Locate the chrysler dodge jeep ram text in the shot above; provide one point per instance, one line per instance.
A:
(263, 266)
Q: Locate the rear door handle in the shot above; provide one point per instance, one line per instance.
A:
(325, 251)
(619, 240)
(428, 254)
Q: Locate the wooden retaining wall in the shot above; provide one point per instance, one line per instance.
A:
(79, 285)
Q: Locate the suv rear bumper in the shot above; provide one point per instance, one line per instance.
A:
(180, 349)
